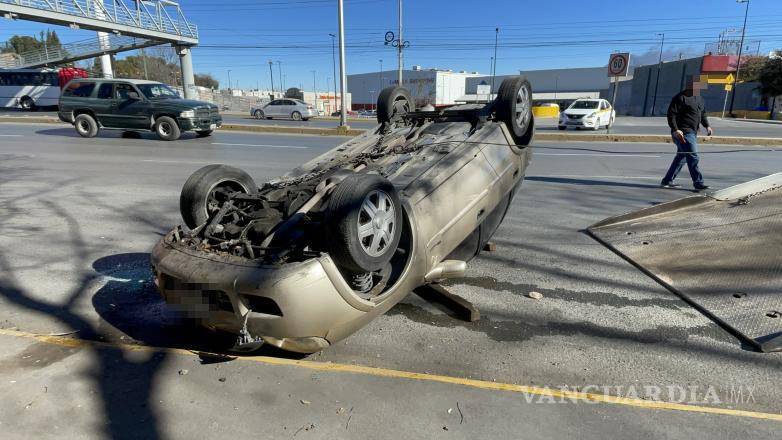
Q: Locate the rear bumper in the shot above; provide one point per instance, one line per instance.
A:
(293, 306)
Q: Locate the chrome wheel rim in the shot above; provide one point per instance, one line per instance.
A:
(376, 223)
(84, 127)
(165, 128)
(522, 106)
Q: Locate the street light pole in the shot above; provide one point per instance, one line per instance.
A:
(494, 59)
(279, 67)
(229, 80)
(314, 90)
(342, 77)
(400, 47)
(659, 68)
(271, 76)
(334, 67)
(738, 63)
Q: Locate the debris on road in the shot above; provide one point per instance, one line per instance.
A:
(222, 379)
(183, 372)
(305, 402)
(535, 295)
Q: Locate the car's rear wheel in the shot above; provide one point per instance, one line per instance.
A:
(167, 128)
(206, 190)
(27, 103)
(86, 125)
(258, 114)
(365, 214)
(204, 133)
(513, 106)
(393, 103)
(296, 116)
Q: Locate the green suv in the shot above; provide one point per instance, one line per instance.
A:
(134, 105)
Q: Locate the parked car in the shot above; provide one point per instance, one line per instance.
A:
(288, 108)
(590, 113)
(91, 104)
(305, 260)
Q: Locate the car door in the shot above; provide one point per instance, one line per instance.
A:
(287, 108)
(103, 105)
(273, 109)
(128, 111)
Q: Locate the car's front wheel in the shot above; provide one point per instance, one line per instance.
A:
(365, 214)
(393, 103)
(206, 190)
(86, 125)
(258, 114)
(167, 128)
(513, 106)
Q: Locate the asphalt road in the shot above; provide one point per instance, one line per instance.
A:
(79, 216)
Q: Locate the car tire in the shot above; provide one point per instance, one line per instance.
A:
(296, 116)
(86, 125)
(258, 114)
(206, 187)
(394, 102)
(167, 128)
(513, 106)
(562, 127)
(611, 122)
(204, 133)
(363, 241)
(27, 103)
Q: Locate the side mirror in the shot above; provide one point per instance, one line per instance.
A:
(134, 96)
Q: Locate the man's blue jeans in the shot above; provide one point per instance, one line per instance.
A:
(687, 151)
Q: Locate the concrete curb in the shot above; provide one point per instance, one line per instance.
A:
(312, 131)
(655, 138)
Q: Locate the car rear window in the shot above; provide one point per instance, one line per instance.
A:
(82, 89)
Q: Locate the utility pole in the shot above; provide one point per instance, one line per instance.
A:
(334, 67)
(342, 77)
(494, 59)
(381, 75)
(279, 67)
(271, 76)
(738, 63)
(400, 47)
(229, 80)
(659, 68)
(314, 90)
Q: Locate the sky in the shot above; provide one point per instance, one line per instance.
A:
(243, 35)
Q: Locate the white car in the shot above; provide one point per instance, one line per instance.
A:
(287, 108)
(591, 113)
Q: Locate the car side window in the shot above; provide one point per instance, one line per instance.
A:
(122, 91)
(289, 102)
(104, 91)
(274, 102)
(80, 89)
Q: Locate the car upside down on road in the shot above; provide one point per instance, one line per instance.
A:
(306, 260)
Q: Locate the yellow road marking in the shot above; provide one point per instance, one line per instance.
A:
(399, 374)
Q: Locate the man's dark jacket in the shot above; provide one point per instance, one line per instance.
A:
(686, 113)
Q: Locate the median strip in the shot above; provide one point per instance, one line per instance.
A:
(540, 136)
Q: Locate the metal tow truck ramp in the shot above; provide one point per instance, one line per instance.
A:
(721, 252)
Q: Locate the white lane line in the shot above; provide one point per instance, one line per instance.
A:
(261, 145)
(593, 154)
(11, 135)
(579, 176)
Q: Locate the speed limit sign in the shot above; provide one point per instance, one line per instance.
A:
(618, 64)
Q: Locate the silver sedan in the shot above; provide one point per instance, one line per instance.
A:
(284, 108)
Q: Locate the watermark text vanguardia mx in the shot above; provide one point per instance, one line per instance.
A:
(680, 394)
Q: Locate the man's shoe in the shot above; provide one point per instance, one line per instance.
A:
(669, 185)
(701, 187)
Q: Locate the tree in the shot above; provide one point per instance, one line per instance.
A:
(751, 67)
(770, 78)
(206, 80)
(20, 44)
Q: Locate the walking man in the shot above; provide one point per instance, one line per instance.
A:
(685, 114)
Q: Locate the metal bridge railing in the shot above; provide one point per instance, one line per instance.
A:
(155, 15)
(77, 50)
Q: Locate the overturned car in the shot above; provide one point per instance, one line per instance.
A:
(305, 260)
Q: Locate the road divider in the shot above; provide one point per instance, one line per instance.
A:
(540, 136)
